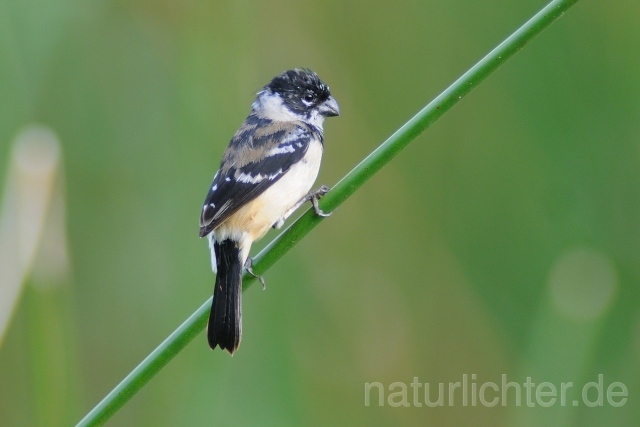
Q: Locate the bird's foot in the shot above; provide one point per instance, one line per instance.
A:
(314, 196)
(248, 265)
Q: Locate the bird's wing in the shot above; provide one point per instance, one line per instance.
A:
(259, 154)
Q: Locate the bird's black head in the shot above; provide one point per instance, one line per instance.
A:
(302, 92)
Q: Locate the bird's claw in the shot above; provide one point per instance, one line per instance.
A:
(314, 196)
(248, 265)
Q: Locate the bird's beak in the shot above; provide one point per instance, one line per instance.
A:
(329, 108)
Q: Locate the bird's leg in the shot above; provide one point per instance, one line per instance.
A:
(312, 196)
(248, 265)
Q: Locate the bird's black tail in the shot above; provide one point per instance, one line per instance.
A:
(225, 320)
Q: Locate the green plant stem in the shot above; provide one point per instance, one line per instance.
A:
(191, 327)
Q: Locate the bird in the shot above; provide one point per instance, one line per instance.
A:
(266, 173)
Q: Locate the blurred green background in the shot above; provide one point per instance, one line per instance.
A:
(503, 241)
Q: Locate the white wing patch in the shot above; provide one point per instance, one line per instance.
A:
(250, 179)
(283, 149)
(288, 144)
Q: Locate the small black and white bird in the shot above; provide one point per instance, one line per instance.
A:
(265, 175)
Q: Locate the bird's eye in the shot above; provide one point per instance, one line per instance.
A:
(309, 96)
